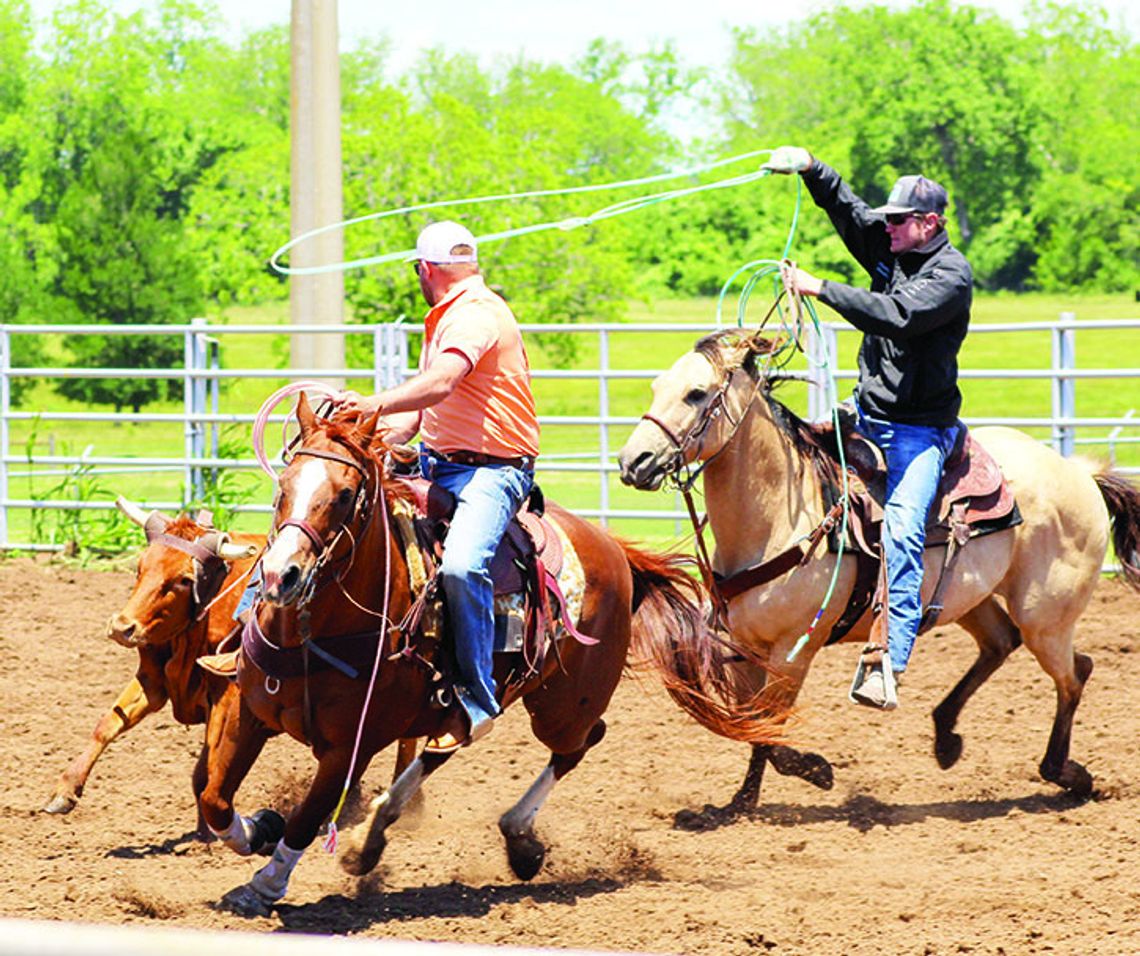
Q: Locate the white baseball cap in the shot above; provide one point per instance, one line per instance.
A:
(436, 242)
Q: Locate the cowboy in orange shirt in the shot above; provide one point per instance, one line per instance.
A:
(472, 404)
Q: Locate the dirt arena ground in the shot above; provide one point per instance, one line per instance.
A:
(900, 857)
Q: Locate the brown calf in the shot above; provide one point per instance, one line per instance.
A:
(189, 581)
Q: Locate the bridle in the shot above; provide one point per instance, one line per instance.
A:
(713, 409)
(697, 432)
(363, 508)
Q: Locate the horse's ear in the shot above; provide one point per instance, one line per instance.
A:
(305, 417)
(366, 428)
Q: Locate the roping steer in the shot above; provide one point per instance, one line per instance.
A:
(188, 584)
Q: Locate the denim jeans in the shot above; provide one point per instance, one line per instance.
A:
(487, 498)
(915, 455)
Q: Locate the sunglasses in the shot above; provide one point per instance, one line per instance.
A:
(416, 266)
(898, 218)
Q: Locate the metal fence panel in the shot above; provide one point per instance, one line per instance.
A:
(203, 377)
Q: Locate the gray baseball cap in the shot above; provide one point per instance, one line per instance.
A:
(914, 194)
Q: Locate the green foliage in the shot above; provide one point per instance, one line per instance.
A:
(144, 160)
(225, 489)
(91, 530)
(1030, 130)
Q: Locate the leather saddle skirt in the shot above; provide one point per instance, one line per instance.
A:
(539, 586)
(972, 493)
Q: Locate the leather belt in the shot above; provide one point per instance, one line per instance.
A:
(479, 460)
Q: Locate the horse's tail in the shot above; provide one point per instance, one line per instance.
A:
(1123, 500)
(672, 636)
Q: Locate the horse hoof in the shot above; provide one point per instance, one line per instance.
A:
(268, 828)
(809, 767)
(525, 854)
(245, 901)
(60, 803)
(947, 749)
(1075, 779)
(358, 862)
(818, 772)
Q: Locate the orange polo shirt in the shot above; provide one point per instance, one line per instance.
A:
(492, 408)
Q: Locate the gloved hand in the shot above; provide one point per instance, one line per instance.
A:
(788, 159)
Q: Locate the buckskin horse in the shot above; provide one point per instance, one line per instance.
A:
(764, 495)
(336, 585)
(187, 585)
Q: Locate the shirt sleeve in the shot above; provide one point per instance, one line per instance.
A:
(863, 232)
(916, 306)
(470, 330)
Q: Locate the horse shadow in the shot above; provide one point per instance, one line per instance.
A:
(338, 913)
(175, 846)
(864, 812)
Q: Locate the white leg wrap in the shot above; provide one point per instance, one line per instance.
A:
(272, 880)
(520, 817)
(238, 835)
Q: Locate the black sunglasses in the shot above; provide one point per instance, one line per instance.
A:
(416, 266)
(898, 218)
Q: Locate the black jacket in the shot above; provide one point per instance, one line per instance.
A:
(914, 317)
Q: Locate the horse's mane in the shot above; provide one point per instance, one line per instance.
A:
(714, 347)
(342, 429)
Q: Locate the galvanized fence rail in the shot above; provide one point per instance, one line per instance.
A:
(204, 374)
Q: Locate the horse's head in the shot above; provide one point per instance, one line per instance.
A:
(325, 494)
(178, 574)
(697, 406)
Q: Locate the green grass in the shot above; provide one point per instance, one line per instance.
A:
(562, 397)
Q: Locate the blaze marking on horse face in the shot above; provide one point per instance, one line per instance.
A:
(311, 479)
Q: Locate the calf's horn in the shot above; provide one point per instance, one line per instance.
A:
(231, 551)
(153, 523)
(131, 510)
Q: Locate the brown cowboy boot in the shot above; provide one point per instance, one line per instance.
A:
(465, 722)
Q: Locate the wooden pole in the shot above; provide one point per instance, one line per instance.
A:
(316, 183)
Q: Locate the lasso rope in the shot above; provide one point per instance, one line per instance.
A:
(571, 222)
(332, 837)
(263, 413)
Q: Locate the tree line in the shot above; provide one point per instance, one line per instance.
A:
(144, 160)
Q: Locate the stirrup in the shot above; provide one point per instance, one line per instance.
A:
(479, 724)
(874, 682)
(224, 664)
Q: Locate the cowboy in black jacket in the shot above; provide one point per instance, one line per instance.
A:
(913, 319)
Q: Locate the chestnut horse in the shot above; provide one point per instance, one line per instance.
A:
(1029, 584)
(335, 567)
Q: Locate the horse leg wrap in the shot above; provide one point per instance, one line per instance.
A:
(271, 881)
(238, 836)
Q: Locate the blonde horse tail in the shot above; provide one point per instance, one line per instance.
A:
(1123, 500)
(671, 636)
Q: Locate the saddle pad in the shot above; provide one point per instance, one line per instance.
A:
(509, 608)
(972, 477)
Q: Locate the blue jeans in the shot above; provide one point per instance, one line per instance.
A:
(487, 498)
(915, 455)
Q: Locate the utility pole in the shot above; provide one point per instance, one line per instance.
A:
(315, 198)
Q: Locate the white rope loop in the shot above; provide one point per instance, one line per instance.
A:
(263, 413)
(571, 222)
